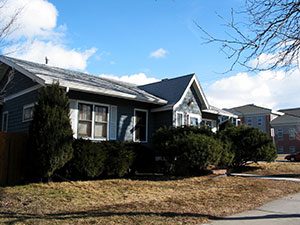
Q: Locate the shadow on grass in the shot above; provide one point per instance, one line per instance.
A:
(22, 217)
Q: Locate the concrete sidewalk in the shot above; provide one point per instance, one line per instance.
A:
(282, 211)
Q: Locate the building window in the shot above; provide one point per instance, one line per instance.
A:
(291, 149)
(259, 120)
(280, 149)
(101, 119)
(141, 125)
(92, 121)
(249, 121)
(280, 134)
(5, 121)
(179, 119)
(291, 134)
(194, 120)
(28, 112)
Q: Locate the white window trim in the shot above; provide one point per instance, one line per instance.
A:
(26, 107)
(134, 124)
(4, 129)
(93, 120)
(195, 116)
(181, 113)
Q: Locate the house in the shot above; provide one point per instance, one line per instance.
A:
(255, 116)
(287, 131)
(104, 109)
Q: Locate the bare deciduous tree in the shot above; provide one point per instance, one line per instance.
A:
(8, 25)
(269, 39)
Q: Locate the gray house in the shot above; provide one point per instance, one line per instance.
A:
(104, 109)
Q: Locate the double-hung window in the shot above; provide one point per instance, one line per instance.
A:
(28, 112)
(179, 119)
(259, 120)
(141, 125)
(249, 121)
(101, 119)
(194, 120)
(291, 134)
(280, 134)
(92, 121)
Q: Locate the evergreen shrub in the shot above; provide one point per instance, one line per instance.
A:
(50, 132)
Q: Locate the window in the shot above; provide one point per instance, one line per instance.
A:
(28, 112)
(194, 120)
(280, 134)
(5, 121)
(100, 122)
(280, 149)
(291, 149)
(259, 120)
(141, 125)
(92, 121)
(249, 121)
(179, 119)
(291, 134)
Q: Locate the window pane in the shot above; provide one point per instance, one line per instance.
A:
(100, 130)
(100, 114)
(179, 119)
(140, 127)
(209, 123)
(28, 113)
(194, 121)
(85, 129)
(85, 112)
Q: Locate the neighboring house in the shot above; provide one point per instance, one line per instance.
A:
(255, 116)
(287, 131)
(104, 109)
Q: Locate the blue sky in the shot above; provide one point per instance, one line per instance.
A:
(144, 41)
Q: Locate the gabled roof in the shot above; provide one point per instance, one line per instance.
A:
(290, 116)
(174, 90)
(221, 112)
(292, 111)
(251, 109)
(45, 74)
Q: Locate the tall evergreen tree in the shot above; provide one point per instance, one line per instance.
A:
(50, 132)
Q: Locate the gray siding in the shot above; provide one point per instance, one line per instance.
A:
(186, 108)
(125, 113)
(19, 83)
(15, 112)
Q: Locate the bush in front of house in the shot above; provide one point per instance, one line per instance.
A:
(144, 161)
(248, 144)
(50, 132)
(189, 150)
(99, 159)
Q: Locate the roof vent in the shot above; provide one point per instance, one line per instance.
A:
(46, 60)
(165, 79)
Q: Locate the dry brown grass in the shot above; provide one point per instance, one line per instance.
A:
(289, 169)
(124, 201)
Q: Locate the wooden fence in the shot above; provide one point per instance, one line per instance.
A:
(12, 157)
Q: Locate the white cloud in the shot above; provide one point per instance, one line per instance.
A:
(138, 79)
(159, 53)
(57, 54)
(37, 17)
(268, 89)
(37, 36)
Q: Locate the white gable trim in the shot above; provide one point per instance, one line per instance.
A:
(193, 80)
(18, 94)
(23, 71)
